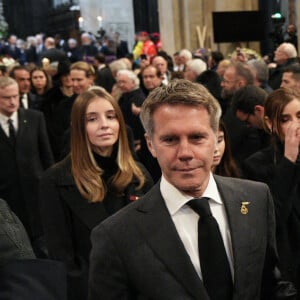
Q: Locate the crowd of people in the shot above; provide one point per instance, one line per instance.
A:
(104, 149)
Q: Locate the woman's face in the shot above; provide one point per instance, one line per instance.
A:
(220, 148)
(80, 81)
(102, 126)
(290, 118)
(39, 80)
(66, 81)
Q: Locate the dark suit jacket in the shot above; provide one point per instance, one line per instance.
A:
(137, 253)
(283, 178)
(35, 279)
(22, 166)
(68, 219)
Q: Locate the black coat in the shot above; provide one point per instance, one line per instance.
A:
(68, 219)
(33, 279)
(138, 254)
(283, 178)
(22, 166)
(125, 102)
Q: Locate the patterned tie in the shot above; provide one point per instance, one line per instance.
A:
(12, 133)
(214, 263)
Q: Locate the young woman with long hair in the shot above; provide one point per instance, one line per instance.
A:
(99, 177)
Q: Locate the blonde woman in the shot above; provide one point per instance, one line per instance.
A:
(98, 178)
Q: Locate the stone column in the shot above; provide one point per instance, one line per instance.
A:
(180, 18)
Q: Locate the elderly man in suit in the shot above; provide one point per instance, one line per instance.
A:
(24, 154)
(159, 247)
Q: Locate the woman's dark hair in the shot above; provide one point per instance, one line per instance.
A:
(227, 166)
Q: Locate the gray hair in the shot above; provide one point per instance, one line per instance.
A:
(6, 81)
(131, 75)
(290, 50)
(187, 54)
(260, 68)
(197, 65)
(179, 92)
(116, 66)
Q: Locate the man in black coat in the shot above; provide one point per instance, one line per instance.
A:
(149, 249)
(22, 275)
(51, 53)
(27, 98)
(24, 154)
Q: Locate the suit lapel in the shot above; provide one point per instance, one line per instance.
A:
(160, 232)
(23, 124)
(241, 229)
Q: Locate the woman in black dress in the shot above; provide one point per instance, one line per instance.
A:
(279, 167)
(98, 178)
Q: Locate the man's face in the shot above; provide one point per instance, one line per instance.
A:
(230, 83)
(150, 78)
(176, 60)
(254, 120)
(80, 81)
(288, 81)
(9, 100)
(280, 56)
(184, 153)
(161, 64)
(125, 83)
(189, 74)
(22, 77)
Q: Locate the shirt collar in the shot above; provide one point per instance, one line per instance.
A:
(175, 199)
(13, 117)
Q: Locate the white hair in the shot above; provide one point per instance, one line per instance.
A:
(197, 65)
(289, 49)
(131, 75)
(187, 54)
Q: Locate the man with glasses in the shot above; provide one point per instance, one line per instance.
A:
(243, 139)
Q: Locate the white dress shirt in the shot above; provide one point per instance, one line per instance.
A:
(4, 124)
(24, 99)
(186, 220)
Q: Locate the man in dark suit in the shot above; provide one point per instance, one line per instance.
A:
(24, 154)
(149, 250)
(51, 52)
(12, 50)
(22, 275)
(27, 98)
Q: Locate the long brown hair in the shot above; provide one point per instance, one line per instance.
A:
(86, 172)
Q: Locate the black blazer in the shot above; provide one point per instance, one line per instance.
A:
(283, 178)
(68, 219)
(35, 279)
(137, 253)
(22, 166)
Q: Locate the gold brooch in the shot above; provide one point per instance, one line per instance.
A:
(244, 209)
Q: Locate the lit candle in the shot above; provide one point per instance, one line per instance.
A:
(80, 21)
(99, 18)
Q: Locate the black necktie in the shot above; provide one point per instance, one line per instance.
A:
(214, 263)
(12, 133)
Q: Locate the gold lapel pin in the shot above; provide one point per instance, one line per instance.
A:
(244, 208)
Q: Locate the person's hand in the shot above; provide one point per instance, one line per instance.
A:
(135, 109)
(240, 55)
(292, 141)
